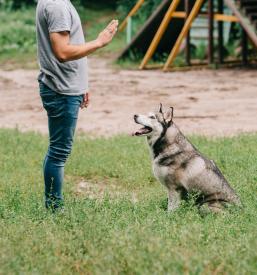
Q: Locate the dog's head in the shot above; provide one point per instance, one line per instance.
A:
(154, 124)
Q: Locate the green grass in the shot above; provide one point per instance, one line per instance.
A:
(17, 37)
(127, 231)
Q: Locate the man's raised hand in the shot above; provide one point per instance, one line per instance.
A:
(106, 36)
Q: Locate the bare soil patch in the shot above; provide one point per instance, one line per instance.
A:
(100, 190)
(208, 102)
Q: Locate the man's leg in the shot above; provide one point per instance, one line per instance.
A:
(61, 132)
(62, 119)
(53, 178)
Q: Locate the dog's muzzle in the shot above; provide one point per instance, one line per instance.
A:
(142, 131)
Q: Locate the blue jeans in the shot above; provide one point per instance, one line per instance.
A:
(62, 112)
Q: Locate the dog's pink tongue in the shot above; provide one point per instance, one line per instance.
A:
(140, 132)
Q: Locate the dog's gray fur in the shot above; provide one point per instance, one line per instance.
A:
(179, 166)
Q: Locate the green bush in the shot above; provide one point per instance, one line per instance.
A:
(124, 6)
(17, 31)
(16, 4)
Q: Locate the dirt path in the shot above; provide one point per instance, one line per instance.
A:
(222, 102)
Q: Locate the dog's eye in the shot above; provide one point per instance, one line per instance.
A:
(152, 117)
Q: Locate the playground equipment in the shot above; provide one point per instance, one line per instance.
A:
(170, 25)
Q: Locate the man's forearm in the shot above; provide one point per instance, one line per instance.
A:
(74, 52)
(64, 51)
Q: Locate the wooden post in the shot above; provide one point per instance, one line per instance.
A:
(244, 47)
(210, 36)
(196, 8)
(220, 32)
(188, 48)
(159, 34)
(131, 13)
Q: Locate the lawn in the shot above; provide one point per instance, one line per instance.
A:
(125, 229)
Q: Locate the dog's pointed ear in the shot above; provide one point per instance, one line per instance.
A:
(168, 116)
(160, 110)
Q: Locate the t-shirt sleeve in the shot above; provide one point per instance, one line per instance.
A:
(58, 17)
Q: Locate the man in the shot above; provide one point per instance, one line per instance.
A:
(63, 83)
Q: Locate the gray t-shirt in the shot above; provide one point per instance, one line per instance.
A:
(71, 77)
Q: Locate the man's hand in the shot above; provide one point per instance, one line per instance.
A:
(106, 36)
(85, 101)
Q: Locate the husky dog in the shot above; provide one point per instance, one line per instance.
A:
(179, 166)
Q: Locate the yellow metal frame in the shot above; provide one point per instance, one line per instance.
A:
(225, 18)
(131, 13)
(172, 13)
(217, 16)
(195, 10)
(159, 34)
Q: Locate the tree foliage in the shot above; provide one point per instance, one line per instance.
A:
(124, 6)
(16, 4)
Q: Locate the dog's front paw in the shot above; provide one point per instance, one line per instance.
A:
(172, 208)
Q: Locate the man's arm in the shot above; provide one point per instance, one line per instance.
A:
(64, 51)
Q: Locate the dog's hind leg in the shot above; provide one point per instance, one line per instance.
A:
(174, 199)
(212, 207)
